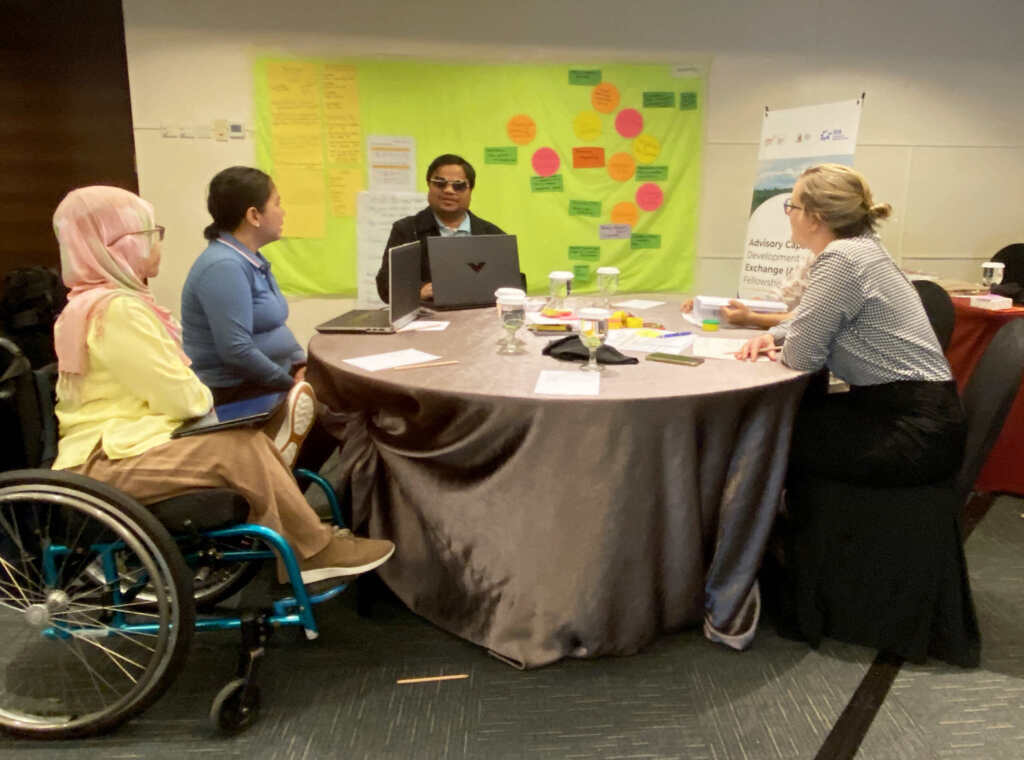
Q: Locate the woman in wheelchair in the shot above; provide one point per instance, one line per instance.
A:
(125, 384)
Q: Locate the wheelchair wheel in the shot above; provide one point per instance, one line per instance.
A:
(81, 653)
(235, 707)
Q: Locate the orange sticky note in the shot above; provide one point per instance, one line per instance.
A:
(587, 158)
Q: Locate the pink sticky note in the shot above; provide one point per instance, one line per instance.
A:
(649, 196)
(545, 162)
(629, 122)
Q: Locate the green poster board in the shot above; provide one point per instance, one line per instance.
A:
(543, 138)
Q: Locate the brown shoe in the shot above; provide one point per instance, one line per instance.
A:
(346, 556)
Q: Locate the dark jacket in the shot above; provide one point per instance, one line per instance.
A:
(419, 227)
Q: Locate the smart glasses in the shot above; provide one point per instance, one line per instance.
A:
(458, 185)
(788, 205)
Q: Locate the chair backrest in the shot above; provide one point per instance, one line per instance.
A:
(939, 308)
(27, 417)
(988, 397)
(1013, 257)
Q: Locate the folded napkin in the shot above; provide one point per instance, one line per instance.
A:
(572, 349)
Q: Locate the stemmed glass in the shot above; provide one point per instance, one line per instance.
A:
(497, 302)
(593, 332)
(991, 274)
(607, 284)
(512, 310)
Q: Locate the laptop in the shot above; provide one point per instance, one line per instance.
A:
(404, 290)
(248, 412)
(465, 271)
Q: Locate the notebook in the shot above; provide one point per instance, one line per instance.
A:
(465, 271)
(250, 411)
(404, 290)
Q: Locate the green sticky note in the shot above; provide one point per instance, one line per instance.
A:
(651, 173)
(585, 76)
(644, 241)
(581, 272)
(552, 184)
(502, 154)
(659, 100)
(584, 208)
(687, 101)
(584, 253)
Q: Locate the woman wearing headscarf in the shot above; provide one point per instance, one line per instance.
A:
(125, 384)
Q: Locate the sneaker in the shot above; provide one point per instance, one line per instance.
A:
(346, 555)
(299, 414)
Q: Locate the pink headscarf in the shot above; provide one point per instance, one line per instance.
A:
(99, 259)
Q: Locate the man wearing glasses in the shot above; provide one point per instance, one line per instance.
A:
(450, 182)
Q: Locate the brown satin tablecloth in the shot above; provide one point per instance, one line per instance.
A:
(541, 527)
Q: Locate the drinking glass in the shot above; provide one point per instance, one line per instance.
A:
(559, 288)
(607, 284)
(593, 332)
(512, 309)
(498, 295)
(992, 273)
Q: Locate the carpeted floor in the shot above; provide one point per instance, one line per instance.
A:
(681, 698)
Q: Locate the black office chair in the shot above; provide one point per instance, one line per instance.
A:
(1012, 256)
(884, 567)
(939, 308)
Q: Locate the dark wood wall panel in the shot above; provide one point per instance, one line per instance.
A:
(65, 116)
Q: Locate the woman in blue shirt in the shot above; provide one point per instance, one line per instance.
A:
(232, 311)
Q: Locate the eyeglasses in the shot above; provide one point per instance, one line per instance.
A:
(458, 185)
(788, 205)
(159, 230)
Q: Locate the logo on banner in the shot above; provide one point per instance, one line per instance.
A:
(834, 135)
(774, 140)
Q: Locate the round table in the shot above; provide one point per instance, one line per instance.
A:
(548, 526)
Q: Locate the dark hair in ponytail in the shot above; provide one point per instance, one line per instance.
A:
(232, 193)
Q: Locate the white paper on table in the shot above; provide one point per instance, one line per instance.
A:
(374, 362)
(719, 348)
(557, 382)
(639, 340)
(638, 303)
(425, 325)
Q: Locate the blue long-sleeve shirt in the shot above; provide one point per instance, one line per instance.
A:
(233, 319)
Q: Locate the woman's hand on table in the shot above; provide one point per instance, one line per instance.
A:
(762, 344)
(686, 306)
(736, 313)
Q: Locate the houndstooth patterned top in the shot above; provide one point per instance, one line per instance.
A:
(861, 317)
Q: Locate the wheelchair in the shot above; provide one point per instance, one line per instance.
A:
(100, 596)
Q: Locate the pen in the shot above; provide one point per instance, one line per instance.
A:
(675, 334)
(423, 365)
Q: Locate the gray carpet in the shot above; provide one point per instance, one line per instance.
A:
(680, 698)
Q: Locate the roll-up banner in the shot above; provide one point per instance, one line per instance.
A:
(791, 140)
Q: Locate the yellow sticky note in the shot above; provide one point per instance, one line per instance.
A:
(304, 200)
(343, 184)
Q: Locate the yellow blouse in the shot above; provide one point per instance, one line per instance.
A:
(137, 389)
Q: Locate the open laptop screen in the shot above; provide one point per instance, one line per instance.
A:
(404, 283)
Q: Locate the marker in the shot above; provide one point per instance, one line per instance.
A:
(675, 335)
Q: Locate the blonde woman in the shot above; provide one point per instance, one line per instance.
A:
(901, 423)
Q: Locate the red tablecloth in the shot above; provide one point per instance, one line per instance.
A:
(972, 331)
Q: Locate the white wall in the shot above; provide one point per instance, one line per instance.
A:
(942, 132)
